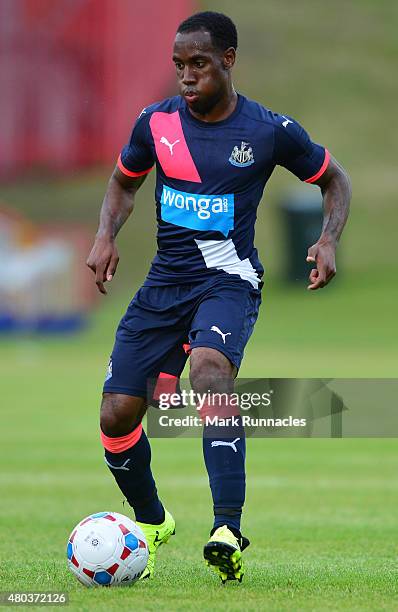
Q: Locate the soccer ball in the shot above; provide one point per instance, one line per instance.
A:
(107, 549)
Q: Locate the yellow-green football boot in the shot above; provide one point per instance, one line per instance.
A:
(223, 553)
(156, 535)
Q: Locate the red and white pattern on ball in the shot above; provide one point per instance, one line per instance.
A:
(107, 549)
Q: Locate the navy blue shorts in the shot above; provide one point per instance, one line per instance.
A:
(160, 322)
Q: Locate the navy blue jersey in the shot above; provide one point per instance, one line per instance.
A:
(210, 179)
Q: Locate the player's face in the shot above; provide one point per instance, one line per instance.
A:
(202, 70)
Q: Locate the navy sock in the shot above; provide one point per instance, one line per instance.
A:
(224, 451)
(132, 471)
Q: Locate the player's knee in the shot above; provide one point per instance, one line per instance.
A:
(210, 371)
(120, 414)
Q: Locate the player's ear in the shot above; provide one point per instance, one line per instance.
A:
(229, 58)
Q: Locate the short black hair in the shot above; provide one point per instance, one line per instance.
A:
(220, 27)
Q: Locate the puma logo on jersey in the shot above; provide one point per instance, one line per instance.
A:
(223, 443)
(286, 123)
(218, 331)
(164, 141)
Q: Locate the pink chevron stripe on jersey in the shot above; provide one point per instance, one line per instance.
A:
(171, 147)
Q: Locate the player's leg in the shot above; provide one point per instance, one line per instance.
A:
(211, 371)
(224, 453)
(127, 449)
(141, 347)
(128, 454)
(219, 333)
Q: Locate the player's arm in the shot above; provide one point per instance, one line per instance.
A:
(336, 191)
(117, 206)
(312, 163)
(135, 162)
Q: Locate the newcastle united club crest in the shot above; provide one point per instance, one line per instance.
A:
(242, 157)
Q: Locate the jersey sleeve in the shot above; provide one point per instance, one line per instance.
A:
(136, 158)
(295, 151)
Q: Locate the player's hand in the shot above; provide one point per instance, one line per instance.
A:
(103, 261)
(323, 253)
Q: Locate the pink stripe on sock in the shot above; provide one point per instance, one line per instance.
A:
(118, 445)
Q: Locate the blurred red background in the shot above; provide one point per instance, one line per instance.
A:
(75, 73)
